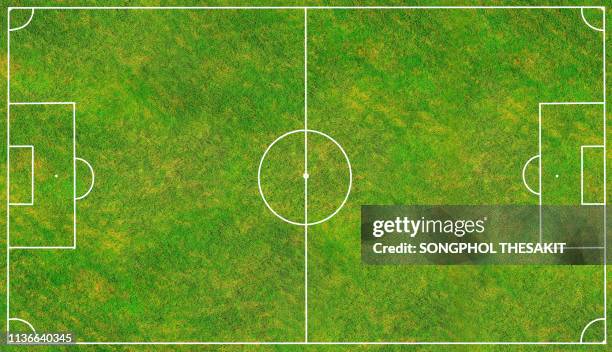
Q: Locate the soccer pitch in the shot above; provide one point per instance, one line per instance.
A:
(196, 175)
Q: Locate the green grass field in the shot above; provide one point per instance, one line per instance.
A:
(174, 110)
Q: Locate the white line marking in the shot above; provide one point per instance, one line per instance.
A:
(540, 165)
(348, 191)
(605, 261)
(74, 159)
(573, 103)
(25, 322)
(295, 7)
(582, 202)
(25, 25)
(8, 170)
(540, 138)
(306, 95)
(31, 147)
(587, 22)
(587, 326)
(42, 247)
(301, 7)
(524, 174)
(306, 175)
(592, 247)
(43, 103)
(306, 264)
(603, 103)
(336, 343)
(93, 178)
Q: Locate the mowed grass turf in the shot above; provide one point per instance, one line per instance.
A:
(174, 242)
(174, 111)
(441, 107)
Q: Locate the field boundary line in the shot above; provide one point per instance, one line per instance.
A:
(294, 7)
(306, 131)
(339, 343)
(605, 187)
(8, 177)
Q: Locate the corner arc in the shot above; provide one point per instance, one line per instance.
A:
(25, 322)
(588, 326)
(587, 22)
(25, 24)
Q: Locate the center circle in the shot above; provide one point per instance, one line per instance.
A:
(305, 175)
